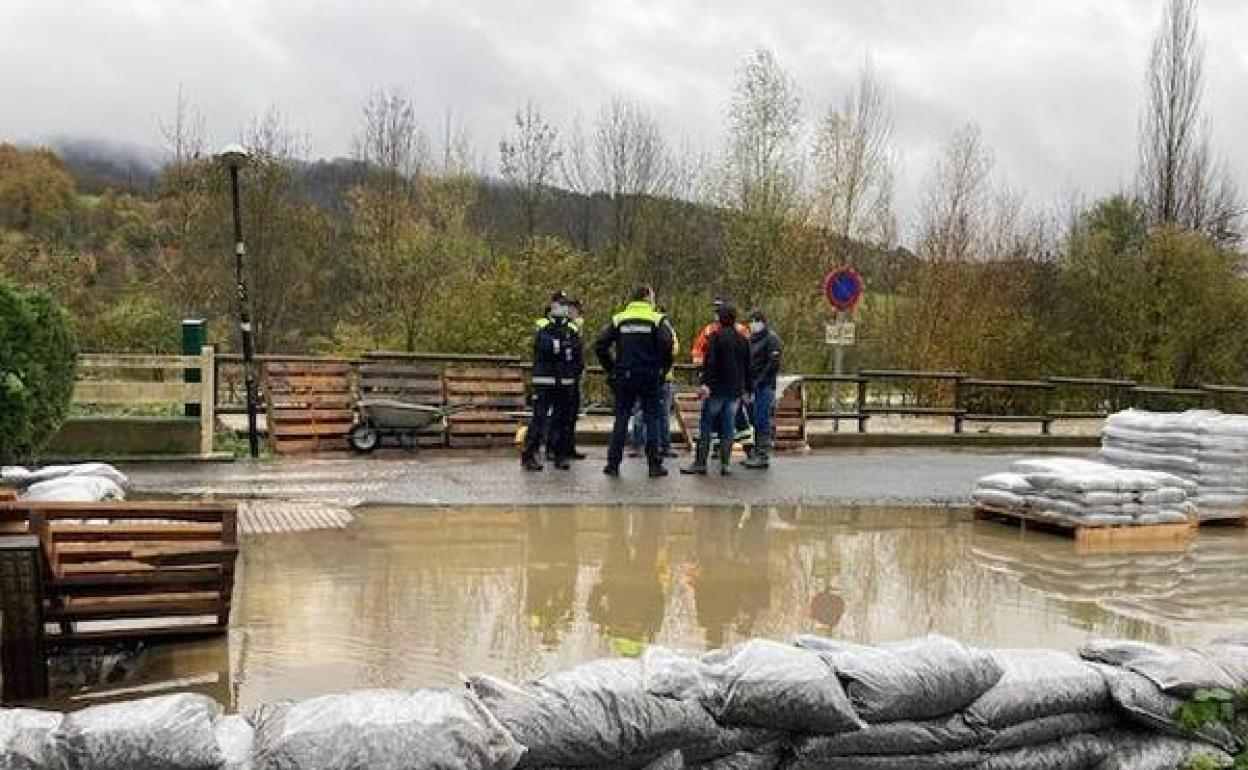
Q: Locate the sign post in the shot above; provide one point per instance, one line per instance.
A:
(843, 288)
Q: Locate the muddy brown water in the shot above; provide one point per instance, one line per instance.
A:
(414, 597)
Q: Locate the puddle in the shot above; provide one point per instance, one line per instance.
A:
(412, 597)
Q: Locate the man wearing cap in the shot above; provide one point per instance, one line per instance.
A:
(765, 351)
(635, 351)
(556, 366)
(564, 435)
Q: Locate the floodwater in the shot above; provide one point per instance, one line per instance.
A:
(415, 597)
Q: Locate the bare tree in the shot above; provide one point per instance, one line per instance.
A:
(629, 159)
(576, 172)
(529, 159)
(761, 174)
(854, 165)
(954, 209)
(391, 140)
(1180, 181)
(184, 132)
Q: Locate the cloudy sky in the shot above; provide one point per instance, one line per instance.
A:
(1055, 85)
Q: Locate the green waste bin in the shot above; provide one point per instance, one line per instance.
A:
(194, 338)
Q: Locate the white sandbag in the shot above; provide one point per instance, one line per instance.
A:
(938, 736)
(1163, 517)
(998, 498)
(1178, 671)
(915, 679)
(235, 737)
(1006, 482)
(1171, 463)
(95, 470)
(1059, 466)
(1098, 499)
(771, 756)
(1038, 732)
(74, 489)
(592, 715)
(1190, 421)
(764, 684)
(1135, 750)
(969, 759)
(382, 730)
(729, 741)
(26, 739)
(14, 476)
(1036, 684)
(1118, 434)
(1168, 496)
(171, 732)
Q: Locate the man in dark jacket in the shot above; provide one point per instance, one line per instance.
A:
(556, 364)
(641, 339)
(724, 380)
(765, 352)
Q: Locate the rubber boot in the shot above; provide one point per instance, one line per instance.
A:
(760, 459)
(725, 462)
(530, 463)
(698, 467)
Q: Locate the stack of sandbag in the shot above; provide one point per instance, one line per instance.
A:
(913, 696)
(1150, 683)
(1207, 448)
(81, 483)
(1048, 710)
(1092, 494)
(598, 714)
(1005, 491)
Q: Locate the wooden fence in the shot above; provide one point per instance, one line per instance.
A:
(140, 382)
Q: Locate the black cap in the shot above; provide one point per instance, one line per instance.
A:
(560, 296)
(758, 315)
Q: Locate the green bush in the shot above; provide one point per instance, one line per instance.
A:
(37, 362)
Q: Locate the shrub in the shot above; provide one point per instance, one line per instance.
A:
(37, 362)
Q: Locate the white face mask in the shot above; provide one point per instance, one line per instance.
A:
(558, 311)
(757, 326)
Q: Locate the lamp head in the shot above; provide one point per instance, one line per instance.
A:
(233, 155)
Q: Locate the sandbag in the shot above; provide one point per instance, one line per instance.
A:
(947, 735)
(1048, 729)
(235, 738)
(1005, 482)
(171, 732)
(95, 470)
(74, 489)
(999, 498)
(911, 680)
(957, 760)
(770, 756)
(1036, 684)
(1072, 752)
(669, 760)
(1146, 705)
(382, 730)
(1179, 671)
(1237, 639)
(732, 740)
(761, 684)
(1135, 750)
(26, 739)
(592, 715)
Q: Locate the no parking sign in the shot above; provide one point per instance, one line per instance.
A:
(844, 288)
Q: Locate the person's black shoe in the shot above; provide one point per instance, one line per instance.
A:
(612, 470)
(550, 456)
(670, 454)
(657, 471)
(531, 464)
(577, 456)
(562, 464)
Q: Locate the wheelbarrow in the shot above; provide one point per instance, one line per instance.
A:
(381, 418)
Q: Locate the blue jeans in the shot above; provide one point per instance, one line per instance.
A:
(638, 437)
(719, 415)
(760, 412)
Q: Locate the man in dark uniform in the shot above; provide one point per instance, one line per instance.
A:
(641, 338)
(565, 436)
(556, 357)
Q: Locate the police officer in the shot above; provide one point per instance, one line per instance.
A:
(565, 436)
(641, 338)
(556, 359)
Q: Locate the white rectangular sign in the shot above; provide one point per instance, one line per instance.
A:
(843, 333)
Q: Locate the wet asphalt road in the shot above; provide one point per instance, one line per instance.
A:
(892, 476)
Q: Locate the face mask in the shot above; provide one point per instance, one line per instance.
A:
(559, 312)
(757, 326)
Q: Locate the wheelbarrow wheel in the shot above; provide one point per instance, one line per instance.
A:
(363, 439)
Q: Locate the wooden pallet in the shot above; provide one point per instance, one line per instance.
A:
(1238, 519)
(1164, 534)
(164, 568)
(790, 419)
(309, 406)
(411, 382)
(496, 393)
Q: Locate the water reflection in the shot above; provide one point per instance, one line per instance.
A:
(415, 597)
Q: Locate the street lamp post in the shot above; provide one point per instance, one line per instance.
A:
(235, 157)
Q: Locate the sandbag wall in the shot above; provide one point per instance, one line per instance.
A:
(930, 704)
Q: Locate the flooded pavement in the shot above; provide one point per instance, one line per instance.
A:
(413, 597)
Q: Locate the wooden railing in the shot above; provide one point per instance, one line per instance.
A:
(126, 382)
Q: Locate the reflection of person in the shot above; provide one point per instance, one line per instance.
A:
(550, 572)
(627, 604)
(729, 582)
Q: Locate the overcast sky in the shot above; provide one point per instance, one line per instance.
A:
(1055, 85)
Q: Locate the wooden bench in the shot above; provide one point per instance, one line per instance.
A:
(166, 568)
(309, 405)
(496, 393)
